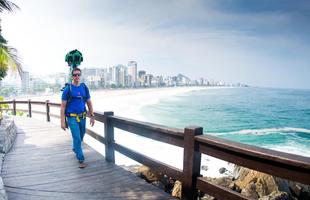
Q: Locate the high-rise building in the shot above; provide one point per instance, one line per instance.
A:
(141, 73)
(25, 82)
(123, 74)
(132, 72)
(115, 75)
(148, 79)
(141, 77)
(182, 80)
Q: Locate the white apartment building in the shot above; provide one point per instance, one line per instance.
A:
(132, 73)
(25, 82)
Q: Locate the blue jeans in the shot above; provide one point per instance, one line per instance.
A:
(77, 132)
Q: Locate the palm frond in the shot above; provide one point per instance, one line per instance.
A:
(3, 72)
(2, 40)
(9, 59)
(7, 5)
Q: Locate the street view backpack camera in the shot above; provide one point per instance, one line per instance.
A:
(74, 59)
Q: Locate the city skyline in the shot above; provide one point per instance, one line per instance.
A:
(258, 43)
(119, 76)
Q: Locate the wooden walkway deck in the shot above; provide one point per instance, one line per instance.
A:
(41, 165)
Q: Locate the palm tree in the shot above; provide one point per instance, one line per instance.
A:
(7, 5)
(8, 58)
(8, 55)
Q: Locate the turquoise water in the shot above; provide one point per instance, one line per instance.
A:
(272, 118)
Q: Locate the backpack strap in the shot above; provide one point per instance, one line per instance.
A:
(69, 96)
(86, 91)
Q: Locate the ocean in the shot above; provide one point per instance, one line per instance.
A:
(277, 119)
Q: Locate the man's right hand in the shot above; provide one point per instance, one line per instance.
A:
(63, 125)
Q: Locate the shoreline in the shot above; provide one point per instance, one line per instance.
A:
(128, 103)
(124, 103)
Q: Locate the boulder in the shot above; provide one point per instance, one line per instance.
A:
(222, 170)
(264, 184)
(277, 196)
(204, 167)
(250, 191)
(177, 189)
(147, 174)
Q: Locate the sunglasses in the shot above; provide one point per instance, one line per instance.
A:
(76, 75)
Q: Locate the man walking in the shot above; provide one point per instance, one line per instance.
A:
(74, 98)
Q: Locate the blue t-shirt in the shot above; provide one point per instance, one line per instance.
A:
(78, 94)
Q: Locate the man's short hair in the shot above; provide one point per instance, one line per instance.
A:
(76, 69)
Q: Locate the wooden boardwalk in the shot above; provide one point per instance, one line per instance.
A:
(41, 165)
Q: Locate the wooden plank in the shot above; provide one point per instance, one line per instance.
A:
(288, 166)
(219, 192)
(6, 102)
(29, 108)
(157, 132)
(14, 107)
(21, 102)
(155, 165)
(191, 163)
(99, 116)
(38, 102)
(41, 165)
(109, 137)
(96, 136)
(54, 104)
(48, 118)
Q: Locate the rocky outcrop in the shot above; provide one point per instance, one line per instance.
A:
(250, 183)
(258, 185)
(7, 134)
(253, 183)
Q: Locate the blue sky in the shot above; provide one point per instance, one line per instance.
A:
(258, 42)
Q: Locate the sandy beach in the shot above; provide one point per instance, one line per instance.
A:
(124, 102)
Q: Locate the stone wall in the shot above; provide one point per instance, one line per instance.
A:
(8, 132)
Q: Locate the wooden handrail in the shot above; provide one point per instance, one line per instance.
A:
(154, 131)
(157, 166)
(289, 166)
(6, 102)
(285, 165)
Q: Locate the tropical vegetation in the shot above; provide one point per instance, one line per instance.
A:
(8, 55)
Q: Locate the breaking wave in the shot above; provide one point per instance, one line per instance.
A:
(265, 131)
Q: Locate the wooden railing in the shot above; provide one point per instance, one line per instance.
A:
(194, 143)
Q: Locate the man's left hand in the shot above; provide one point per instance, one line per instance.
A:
(92, 121)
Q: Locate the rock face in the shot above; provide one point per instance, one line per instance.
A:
(7, 137)
(7, 134)
(262, 184)
(250, 183)
(267, 187)
(159, 180)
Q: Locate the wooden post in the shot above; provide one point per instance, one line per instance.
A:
(109, 136)
(14, 107)
(191, 163)
(48, 118)
(29, 108)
